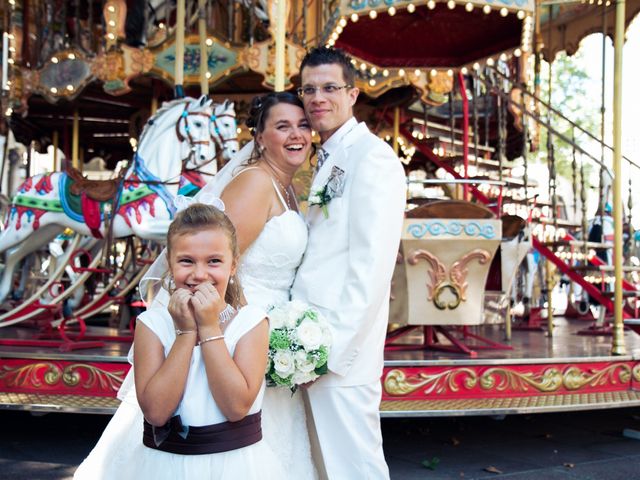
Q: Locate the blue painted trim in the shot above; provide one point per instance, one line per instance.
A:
(456, 228)
(63, 200)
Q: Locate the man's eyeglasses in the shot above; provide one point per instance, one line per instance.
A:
(329, 89)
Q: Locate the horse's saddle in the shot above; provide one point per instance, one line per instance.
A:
(98, 190)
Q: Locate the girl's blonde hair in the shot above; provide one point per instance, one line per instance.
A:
(198, 217)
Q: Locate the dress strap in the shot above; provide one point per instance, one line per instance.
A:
(275, 185)
(245, 170)
(246, 319)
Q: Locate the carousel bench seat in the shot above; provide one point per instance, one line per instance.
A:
(447, 247)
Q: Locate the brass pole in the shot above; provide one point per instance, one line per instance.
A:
(618, 347)
(549, 279)
(75, 141)
(179, 66)
(204, 57)
(280, 44)
(507, 324)
(56, 141)
(396, 129)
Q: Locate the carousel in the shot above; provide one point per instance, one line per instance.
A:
(155, 94)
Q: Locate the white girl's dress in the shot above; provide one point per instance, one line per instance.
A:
(197, 408)
(267, 270)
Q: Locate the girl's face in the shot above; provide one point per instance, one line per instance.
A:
(286, 137)
(203, 256)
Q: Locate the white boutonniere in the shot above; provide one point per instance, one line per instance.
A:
(333, 188)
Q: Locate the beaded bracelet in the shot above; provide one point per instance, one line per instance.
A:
(182, 332)
(210, 339)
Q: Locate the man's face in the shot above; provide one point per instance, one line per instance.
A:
(327, 112)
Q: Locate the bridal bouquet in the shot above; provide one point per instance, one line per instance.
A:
(299, 343)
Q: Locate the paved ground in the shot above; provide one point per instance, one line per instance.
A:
(576, 446)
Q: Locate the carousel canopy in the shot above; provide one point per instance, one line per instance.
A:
(438, 38)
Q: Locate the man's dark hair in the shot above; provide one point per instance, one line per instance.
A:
(325, 56)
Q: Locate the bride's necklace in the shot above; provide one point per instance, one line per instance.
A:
(226, 315)
(287, 195)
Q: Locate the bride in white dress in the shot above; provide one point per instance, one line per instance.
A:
(272, 235)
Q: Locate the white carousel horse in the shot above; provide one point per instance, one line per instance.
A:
(183, 132)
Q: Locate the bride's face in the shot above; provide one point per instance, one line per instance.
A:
(286, 137)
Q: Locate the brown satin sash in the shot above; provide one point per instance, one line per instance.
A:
(221, 437)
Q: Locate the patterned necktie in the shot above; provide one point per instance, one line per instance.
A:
(322, 157)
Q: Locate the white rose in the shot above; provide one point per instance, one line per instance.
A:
(277, 318)
(295, 310)
(298, 307)
(314, 198)
(309, 335)
(303, 364)
(303, 377)
(283, 363)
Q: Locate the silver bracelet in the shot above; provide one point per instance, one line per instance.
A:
(210, 339)
(182, 332)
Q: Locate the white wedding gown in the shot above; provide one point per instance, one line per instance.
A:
(267, 270)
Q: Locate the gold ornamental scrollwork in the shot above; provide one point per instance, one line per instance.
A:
(106, 380)
(552, 379)
(437, 285)
(575, 379)
(27, 375)
(636, 372)
(70, 375)
(501, 379)
(397, 383)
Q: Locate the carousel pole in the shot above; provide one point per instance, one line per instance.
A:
(56, 141)
(179, 66)
(281, 14)
(75, 141)
(396, 129)
(618, 347)
(204, 57)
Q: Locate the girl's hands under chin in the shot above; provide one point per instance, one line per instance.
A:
(181, 310)
(207, 306)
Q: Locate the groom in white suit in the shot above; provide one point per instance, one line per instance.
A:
(355, 217)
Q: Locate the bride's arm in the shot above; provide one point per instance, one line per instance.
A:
(248, 203)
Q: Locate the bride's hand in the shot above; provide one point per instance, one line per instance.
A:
(181, 310)
(207, 306)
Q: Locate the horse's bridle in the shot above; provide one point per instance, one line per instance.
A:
(215, 136)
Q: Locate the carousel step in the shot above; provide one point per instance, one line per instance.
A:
(509, 405)
(58, 403)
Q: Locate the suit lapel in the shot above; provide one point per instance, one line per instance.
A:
(340, 157)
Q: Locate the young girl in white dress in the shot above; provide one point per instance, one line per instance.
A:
(199, 365)
(272, 236)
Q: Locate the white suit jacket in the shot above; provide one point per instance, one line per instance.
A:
(347, 267)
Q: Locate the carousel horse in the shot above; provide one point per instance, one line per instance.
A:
(182, 136)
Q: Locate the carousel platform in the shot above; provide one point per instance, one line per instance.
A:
(566, 372)
(49, 375)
